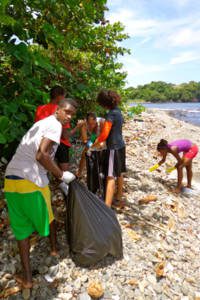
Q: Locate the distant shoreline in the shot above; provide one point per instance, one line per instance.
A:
(184, 111)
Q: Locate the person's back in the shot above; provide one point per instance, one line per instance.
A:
(182, 145)
(115, 164)
(115, 138)
(57, 93)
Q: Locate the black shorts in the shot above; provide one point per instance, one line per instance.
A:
(62, 153)
(116, 162)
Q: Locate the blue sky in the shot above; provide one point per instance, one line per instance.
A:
(164, 39)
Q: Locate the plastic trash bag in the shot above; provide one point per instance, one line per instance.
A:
(92, 228)
(96, 177)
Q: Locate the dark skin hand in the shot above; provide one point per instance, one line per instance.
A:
(66, 133)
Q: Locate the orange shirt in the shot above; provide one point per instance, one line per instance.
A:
(46, 110)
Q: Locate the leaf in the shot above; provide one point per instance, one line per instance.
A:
(134, 236)
(95, 290)
(10, 291)
(181, 211)
(21, 52)
(133, 282)
(159, 254)
(159, 269)
(6, 20)
(174, 207)
(171, 224)
(129, 225)
(4, 122)
(43, 62)
(147, 199)
(2, 139)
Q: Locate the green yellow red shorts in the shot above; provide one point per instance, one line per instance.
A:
(29, 207)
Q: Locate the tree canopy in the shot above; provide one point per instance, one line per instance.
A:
(164, 92)
(43, 43)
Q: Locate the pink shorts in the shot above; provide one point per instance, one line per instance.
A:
(191, 153)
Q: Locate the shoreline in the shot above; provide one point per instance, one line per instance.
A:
(184, 111)
(178, 114)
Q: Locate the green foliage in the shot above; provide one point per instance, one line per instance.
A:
(135, 110)
(164, 92)
(66, 42)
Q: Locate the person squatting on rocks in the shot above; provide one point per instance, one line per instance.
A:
(112, 134)
(57, 93)
(189, 150)
(26, 184)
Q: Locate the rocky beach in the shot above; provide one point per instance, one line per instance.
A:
(161, 232)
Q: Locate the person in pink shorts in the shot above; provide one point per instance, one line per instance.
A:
(189, 151)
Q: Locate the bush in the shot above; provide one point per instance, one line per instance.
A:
(60, 42)
(136, 110)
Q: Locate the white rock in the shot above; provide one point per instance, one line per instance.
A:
(84, 296)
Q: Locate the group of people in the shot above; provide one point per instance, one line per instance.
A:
(45, 148)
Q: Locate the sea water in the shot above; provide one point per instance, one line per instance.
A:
(188, 112)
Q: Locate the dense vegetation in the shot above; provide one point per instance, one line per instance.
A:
(164, 92)
(66, 42)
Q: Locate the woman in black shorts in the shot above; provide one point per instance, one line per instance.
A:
(112, 133)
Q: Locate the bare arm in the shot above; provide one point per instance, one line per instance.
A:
(174, 152)
(162, 161)
(84, 136)
(44, 158)
(66, 133)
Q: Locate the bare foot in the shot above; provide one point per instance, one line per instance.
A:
(54, 253)
(24, 283)
(176, 190)
(189, 186)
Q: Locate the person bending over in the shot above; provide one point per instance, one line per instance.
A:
(26, 184)
(43, 111)
(189, 150)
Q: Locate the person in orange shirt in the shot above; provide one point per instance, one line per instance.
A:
(57, 93)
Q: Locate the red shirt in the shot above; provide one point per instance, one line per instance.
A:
(44, 111)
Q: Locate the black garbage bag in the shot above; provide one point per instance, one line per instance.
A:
(92, 228)
(96, 177)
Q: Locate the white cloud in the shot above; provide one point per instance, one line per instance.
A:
(184, 37)
(135, 67)
(180, 3)
(177, 32)
(134, 24)
(163, 28)
(185, 57)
